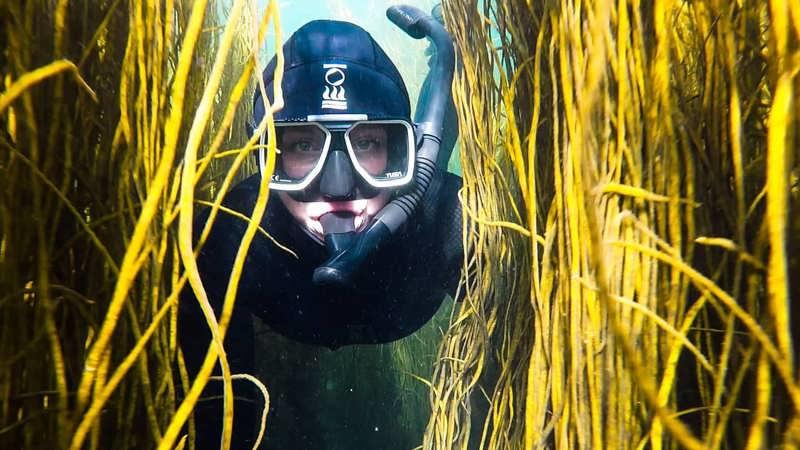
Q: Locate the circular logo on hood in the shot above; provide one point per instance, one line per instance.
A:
(335, 67)
(333, 96)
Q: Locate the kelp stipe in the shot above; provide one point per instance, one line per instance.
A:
(89, 351)
(629, 184)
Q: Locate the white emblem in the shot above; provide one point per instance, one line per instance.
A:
(333, 97)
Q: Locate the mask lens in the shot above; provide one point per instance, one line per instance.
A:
(300, 151)
(382, 151)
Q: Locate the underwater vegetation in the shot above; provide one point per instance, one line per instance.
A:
(104, 108)
(631, 194)
(631, 187)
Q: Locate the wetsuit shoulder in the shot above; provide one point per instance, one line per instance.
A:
(218, 251)
(440, 220)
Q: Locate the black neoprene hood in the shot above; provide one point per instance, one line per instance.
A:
(333, 67)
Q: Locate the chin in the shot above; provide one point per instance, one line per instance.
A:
(308, 214)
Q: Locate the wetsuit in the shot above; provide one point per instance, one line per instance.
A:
(399, 289)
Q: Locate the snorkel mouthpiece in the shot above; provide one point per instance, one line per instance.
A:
(339, 230)
(349, 253)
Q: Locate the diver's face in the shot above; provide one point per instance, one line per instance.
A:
(302, 148)
(308, 214)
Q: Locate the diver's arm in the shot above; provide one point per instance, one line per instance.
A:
(449, 230)
(195, 339)
(214, 262)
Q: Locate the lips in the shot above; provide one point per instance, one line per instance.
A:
(315, 210)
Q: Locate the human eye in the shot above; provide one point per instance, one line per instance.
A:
(303, 146)
(368, 138)
(301, 140)
(365, 144)
(368, 142)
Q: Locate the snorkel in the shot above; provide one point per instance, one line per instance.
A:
(349, 250)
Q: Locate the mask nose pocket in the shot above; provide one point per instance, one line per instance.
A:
(337, 177)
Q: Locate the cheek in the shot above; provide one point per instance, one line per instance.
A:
(297, 166)
(296, 209)
(375, 163)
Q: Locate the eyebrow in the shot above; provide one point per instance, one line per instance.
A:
(301, 133)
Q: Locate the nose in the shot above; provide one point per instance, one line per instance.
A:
(337, 181)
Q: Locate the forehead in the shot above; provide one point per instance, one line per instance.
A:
(303, 131)
(369, 128)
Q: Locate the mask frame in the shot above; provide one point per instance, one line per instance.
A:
(343, 123)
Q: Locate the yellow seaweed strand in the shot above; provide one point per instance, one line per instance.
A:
(758, 333)
(96, 407)
(264, 393)
(778, 163)
(755, 437)
(186, 217)
(128, 269)
(34, 77)
(183, 411)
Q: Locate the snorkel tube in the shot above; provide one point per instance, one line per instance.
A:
(348, 255)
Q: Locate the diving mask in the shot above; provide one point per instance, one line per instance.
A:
(382, 152)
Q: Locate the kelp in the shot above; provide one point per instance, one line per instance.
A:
(631, 200)
(630, 213)
(117, 117)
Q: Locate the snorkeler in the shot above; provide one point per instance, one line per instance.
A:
(360, 193)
